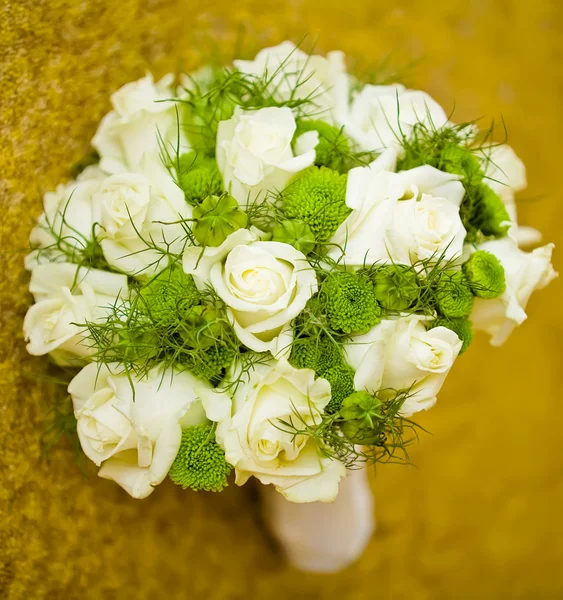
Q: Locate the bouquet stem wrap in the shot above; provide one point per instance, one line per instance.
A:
(322, 537)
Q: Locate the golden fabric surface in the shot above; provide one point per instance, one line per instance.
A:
(480, 515)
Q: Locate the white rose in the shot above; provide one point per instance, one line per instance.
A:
(67, 296)
(140, 121)
(380, 115)
(265, 285)
(505, 174)
(253, 438)
(400, 354)
(524, 273)
(292, 74)
(67, 224)
(139, 218)
(133, 428)
(401, 217)
(254, 152)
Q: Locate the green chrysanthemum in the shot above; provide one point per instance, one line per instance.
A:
(341, 379)
(396, 287)
(462, 327)
(198, 177)
(492, 216)
(485, 274)
(361, 413)
(453, 295)
(200, 463)
(210, 363)
(318, 353)
(317, 197)
(296, 233)
(333, 145)
(216, 218)
(350, 303)
(168, 296)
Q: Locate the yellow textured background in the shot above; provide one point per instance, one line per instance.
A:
(481, 514)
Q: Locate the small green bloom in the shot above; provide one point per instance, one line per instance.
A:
(396, 287)
(210, 363)
(296, 233)
(453, 295)
(341, 379)
(216, 218)
(318, 353)
(349, 301)
(317, 197)
(333, 146)
(462, 327)
(168, 296)
(361, 413)
(492, 216)
(200, 463)
(198, 177)
(485, 274)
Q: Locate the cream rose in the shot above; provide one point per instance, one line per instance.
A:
(141, 120)
(400, 354)
(68, 223)
(253, 438)
(254, 152)
(139, 211)
(293, 74)
(402, 217)
(67, 296)
(524, 273)
(381, 114)
(265, 285)
(133, 429)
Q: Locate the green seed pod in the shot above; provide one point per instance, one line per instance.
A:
(396, 287)
(361, 413)
(296, 233)
(216, 218)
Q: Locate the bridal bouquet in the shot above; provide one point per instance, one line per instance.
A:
(269, 268)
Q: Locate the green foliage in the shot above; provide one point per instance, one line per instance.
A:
(317, 197)
(333, 147)
(296, 233)
(216, 218)
(453, 295)
(212, 94)
(395, 287)
(198, 176)
(89, 159)
(462, 327)
(200, 463)
(485, 274)
(167, 322)
(349, 301)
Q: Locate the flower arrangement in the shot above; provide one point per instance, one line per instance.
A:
(270, 267)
